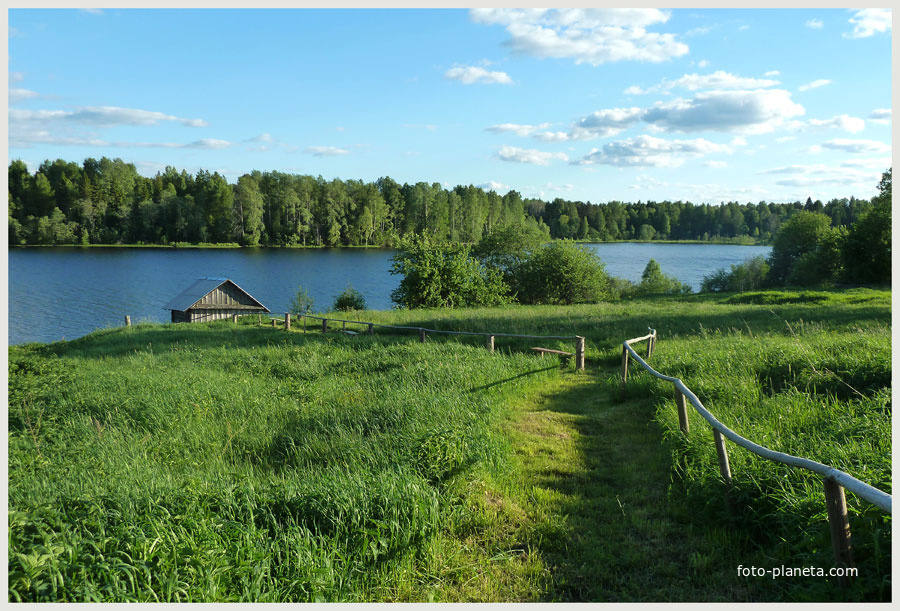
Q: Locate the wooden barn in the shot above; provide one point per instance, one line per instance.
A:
(213, 299)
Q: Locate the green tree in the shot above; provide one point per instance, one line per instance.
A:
(248, 211)
(562, 272)
(867, 249)
(348, 300)
(655, 282)
(440, 275)
(302, 302)
(799, 235)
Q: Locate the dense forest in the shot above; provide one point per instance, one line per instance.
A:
(108, 202)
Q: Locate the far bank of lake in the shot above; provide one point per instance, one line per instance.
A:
(66, 292)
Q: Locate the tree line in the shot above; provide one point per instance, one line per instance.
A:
(107, 201)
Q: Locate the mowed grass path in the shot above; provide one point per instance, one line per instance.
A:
(594, 482)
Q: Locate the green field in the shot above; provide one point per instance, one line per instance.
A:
(222, 462)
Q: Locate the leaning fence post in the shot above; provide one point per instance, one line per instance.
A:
(682, 412)
(489, 343)
(722, 453)
(287, 321)
(624, 365)
(422, 335)
(127, 320)
(579, 353)
(324, 325)
(839, 525)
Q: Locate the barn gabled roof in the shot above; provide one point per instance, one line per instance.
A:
(200, 289)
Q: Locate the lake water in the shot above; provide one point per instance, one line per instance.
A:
(64, 293)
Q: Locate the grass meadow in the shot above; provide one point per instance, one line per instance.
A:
(222, 462)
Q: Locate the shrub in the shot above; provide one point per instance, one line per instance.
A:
(562, 273)
(349, 299)
(747, 276)
(798, 236)
(440, 275)
(302, 303)
(655, 282)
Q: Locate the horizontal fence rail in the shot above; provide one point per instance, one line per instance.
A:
(423, 331)
(835, 481)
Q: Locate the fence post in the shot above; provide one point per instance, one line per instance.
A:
(127, 320)
(259, 318)
(682, 412)
(234, 318)
(274, 322)
(579, 353)
(724, 468)
(343, 325)
(489, 343)
(303, 322)
(422, 335)
(649, 347)
(624, 365)
(287, 321)
(839, 526)
(324, 325)
(371, 329)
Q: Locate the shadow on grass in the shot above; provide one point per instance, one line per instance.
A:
(633, 530)
(622, 539)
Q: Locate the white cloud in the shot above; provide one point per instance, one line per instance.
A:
(754, 111)
(16, 77)
(533, 156)
(869, 21)
(265, 138)
(817, 175)
(469, 75)
(738, 141)
(716, 164)
(17, 95)
(552, 136)
(209, 143)
(876, 163)
(92, 11)
(815, 24)
(772, 73)
(493, 185)
(605, 123)
(649, 151)
(856, 146)
(516, 128)
(814, 84)
(325, 151)
(564, 187)
(696, 82)
(593, 36)
(785, 139)
(844, 122)
(103, 116)
(882, 116)
(703, 63)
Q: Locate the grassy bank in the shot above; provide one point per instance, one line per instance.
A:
(222, 462)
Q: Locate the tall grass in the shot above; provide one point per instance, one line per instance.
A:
(221, 462)
(208, 462)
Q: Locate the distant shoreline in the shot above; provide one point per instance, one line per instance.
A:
(231, 246)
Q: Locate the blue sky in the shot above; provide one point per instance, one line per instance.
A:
(591, 104)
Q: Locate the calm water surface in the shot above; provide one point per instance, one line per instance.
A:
(64, 293)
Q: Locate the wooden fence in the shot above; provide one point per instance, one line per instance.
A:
(369, 328)
(834, 481)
